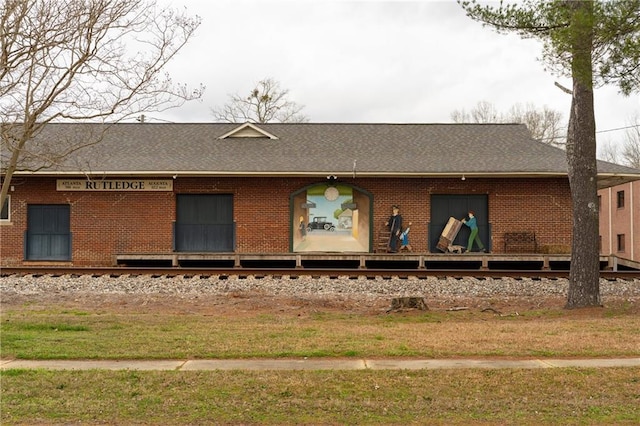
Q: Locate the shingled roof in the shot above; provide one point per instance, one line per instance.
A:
(400, 150)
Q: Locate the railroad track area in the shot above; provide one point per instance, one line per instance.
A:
(354, 273)
(244, 290)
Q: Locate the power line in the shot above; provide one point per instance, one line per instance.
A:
(599, 131)
(619, 128)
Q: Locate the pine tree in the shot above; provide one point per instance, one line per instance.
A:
(593, 42)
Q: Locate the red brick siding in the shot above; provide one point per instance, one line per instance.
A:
(625, 220)
(102, 223)
(108, 223)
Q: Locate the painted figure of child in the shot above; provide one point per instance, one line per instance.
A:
(404, 239)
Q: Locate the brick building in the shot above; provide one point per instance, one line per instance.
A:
(212, 189)
(619, 215)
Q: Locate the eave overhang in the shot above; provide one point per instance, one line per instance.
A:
(605, 180)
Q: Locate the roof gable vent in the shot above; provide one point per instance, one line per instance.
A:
(248, 130)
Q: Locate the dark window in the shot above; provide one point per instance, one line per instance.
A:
(621, 242)
(48, 232)
(600, 243)
(444, 206)
(620, 199)
(599, 203)
(204, 223)
(4, 215)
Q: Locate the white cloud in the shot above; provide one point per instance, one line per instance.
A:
(370, 61)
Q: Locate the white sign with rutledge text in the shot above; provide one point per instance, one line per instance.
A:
(114, 185)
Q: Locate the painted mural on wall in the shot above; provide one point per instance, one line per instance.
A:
(327, 220)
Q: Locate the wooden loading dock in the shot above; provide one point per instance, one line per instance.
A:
(479, 261)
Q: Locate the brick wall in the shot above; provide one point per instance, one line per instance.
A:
(108, 223)
(623, 220)
(102, 223)
(540, 206)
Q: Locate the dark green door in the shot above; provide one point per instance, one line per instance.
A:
(48, 235)
(204, 223)
(444, 206)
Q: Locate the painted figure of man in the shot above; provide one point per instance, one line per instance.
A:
(473, 237)
(303, 228)
(395, 228)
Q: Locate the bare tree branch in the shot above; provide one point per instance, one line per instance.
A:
(82, 61)
(265, 103)
(544, 123)
(628, 152)
(608, 152)
(631, 147)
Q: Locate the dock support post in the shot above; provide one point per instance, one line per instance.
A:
(545, 263)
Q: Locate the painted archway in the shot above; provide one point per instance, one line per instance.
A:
(331, 217)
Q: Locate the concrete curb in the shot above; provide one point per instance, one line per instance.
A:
(314, 364)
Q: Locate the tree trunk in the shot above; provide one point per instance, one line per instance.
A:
(584, 277)
(401, 303)
(12, 166)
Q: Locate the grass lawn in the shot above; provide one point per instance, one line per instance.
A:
(59, 333)
(545, 396)
(558, 396)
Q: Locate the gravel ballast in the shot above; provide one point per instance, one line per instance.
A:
(306, 286)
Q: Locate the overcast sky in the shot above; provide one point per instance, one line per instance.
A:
(371, 61)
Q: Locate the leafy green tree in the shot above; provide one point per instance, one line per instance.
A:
(593, 42)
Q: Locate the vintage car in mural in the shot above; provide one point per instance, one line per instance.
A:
(320, 222)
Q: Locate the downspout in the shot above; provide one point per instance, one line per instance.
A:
(633, 242)
(610, 225)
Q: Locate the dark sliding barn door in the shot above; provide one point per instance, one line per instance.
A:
(48, 235)
(444, 206)
(204, 223)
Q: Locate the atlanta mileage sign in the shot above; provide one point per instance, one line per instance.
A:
(114, 185)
